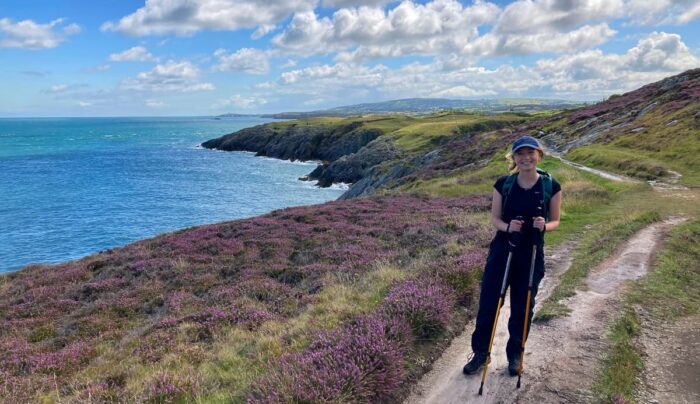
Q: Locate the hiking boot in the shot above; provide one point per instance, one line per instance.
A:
(513, 366)
(476, 361)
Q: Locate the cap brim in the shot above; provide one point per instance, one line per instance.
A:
(525, 145)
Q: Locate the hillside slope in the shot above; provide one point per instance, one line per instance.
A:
(348, 301)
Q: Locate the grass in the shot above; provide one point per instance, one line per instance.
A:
(670, 292)
(439, 128)
(651, 146)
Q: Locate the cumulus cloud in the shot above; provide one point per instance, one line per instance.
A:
(355, 3)
(135, 54)
(656, 12)
(442, 27)
(656, 56)
(240, 101)
(536, 16)
(172, 76)
(248, 60)
(494, 44)
(408, 28)
(342, 73)
(185, 17)
(585, 75)
(28, 34)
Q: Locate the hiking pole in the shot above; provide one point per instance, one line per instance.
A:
(537, 239)
(512, 242)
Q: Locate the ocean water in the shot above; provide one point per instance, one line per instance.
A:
(70, 187)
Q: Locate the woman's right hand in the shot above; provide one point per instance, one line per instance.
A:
(515, 226)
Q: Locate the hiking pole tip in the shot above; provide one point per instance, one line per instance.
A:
(481, 388)
(518, 385)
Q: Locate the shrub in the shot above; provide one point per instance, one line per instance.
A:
(425, 304)
(166, 388)
(462, 274)
(360, 363)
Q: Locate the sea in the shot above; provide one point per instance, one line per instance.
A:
(70, 187)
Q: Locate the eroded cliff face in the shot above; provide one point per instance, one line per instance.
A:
(298, 142)
(346, 152)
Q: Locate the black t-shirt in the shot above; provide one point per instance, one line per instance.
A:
(524, 202)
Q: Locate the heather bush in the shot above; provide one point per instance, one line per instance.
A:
(462, 274)
(360, 363)
(167, 388)
(426, 304)
(149, 299)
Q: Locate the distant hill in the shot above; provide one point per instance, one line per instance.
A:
(430, 105)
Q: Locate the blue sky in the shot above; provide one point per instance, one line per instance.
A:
(206, 57)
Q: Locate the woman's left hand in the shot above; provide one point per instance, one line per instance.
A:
(538, 223)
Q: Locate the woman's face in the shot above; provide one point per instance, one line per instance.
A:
(526, 158)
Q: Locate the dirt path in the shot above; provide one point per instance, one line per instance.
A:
(561, 355)
(671, 362)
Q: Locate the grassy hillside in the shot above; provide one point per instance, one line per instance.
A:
(646, 133)
(347, 301)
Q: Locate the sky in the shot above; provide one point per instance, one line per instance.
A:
(207, 57)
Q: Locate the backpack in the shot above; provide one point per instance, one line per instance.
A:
(546, 190)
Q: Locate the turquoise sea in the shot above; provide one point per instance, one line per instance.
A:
(70, 187)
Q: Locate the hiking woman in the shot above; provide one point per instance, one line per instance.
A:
(526, 201)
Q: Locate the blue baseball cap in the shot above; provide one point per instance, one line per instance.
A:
(525, 141)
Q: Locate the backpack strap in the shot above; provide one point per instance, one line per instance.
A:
(505, 191)
(546, 190)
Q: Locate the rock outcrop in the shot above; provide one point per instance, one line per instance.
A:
(297, 142)
(346, 152)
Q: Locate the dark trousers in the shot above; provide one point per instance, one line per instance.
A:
(518, 279)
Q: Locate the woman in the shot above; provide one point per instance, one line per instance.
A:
(521, 203)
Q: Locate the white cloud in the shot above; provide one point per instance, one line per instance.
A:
(135, 54)
(84, 104)
(443, 27)
(537, 16)
(656, 56)
(341, 73)
(172, 76)
(355, 3)
(240, 101)
(263, 30)
(693, 13)
(657, 12)
(248, 60)
(185, 17)
(155, 104)
(58, 88)
(586, 75)
(586, 37)
(436, 27)
(28, 34)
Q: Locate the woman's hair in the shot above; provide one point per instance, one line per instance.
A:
(512, 167)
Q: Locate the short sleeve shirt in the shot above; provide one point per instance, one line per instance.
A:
(524, 202)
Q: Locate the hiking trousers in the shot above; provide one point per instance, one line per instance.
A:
(518, 279)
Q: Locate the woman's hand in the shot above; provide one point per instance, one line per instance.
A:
(538, 223)
(515, 226)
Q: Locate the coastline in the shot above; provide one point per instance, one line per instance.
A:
(155, 180)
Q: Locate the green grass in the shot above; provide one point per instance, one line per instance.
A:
(671, 291)
(436, 129)
(621, 363)
(630, 162)
(652, 145)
